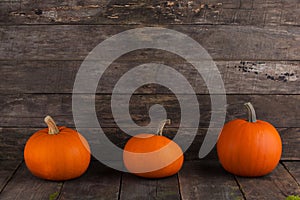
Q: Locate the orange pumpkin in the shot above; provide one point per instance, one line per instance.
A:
(152, 155)
(57, 153)
(249, 148)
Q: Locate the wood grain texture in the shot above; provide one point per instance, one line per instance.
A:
(12, 141)
(25, 185)
(290, 140)
(197, 179)
(207, 180)
(28, 110)
(249, 12)
(239, 77)
(67, 42)
(8, 167)
(7, 7)
(136, 188)
(277, 185)
(99, 182)
(294, 169)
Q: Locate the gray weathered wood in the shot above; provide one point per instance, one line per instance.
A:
(207, 180)
(290, 139)
(222, 42)
(136, 188)
(25, 185)
(99, 182)
(33, 108)
(197, 179)
(239, 77)
(8, 167)
(12, 141)
(294, 169)
(249, 12)
(7, 7)
(277, 185)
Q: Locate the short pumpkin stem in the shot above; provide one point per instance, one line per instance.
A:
(53, 129)
(251, 112)
(162, 125)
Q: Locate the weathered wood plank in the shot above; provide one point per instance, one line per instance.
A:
(250, 12)
(294, 169)
(99, 182)
(239, 77)
(50, 12)
(25, 185)
(207, 180)
(136, 188)
(12, 141)
(277, 185)
(290, 139)
(69, 42)
(7, 7)
(28, 110)
(8, 167)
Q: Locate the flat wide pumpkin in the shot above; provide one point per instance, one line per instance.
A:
(152, 156)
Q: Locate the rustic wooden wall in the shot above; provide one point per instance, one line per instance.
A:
(255, 44)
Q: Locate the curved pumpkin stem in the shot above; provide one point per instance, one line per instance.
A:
(53, 129)
(251, 112)
(162, 125)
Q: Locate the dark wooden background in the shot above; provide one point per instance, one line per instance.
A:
(255, 44)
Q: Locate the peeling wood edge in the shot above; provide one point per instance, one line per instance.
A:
(216, 59)
(138, 25)
(145, 24)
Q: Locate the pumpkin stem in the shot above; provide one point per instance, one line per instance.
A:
(251, 112)
(53, 129)
(162, 125)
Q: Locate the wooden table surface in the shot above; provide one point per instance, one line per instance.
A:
(197, 180)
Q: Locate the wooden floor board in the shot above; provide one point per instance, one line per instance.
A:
(24, 185)
(294, 169)
(197, 180)
(277, 185)
(207, 180)
(135, 188)
(99, 182)
(8, 168)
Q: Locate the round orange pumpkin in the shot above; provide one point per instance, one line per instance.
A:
(249, 148)
(57, 153)
(152, 155)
